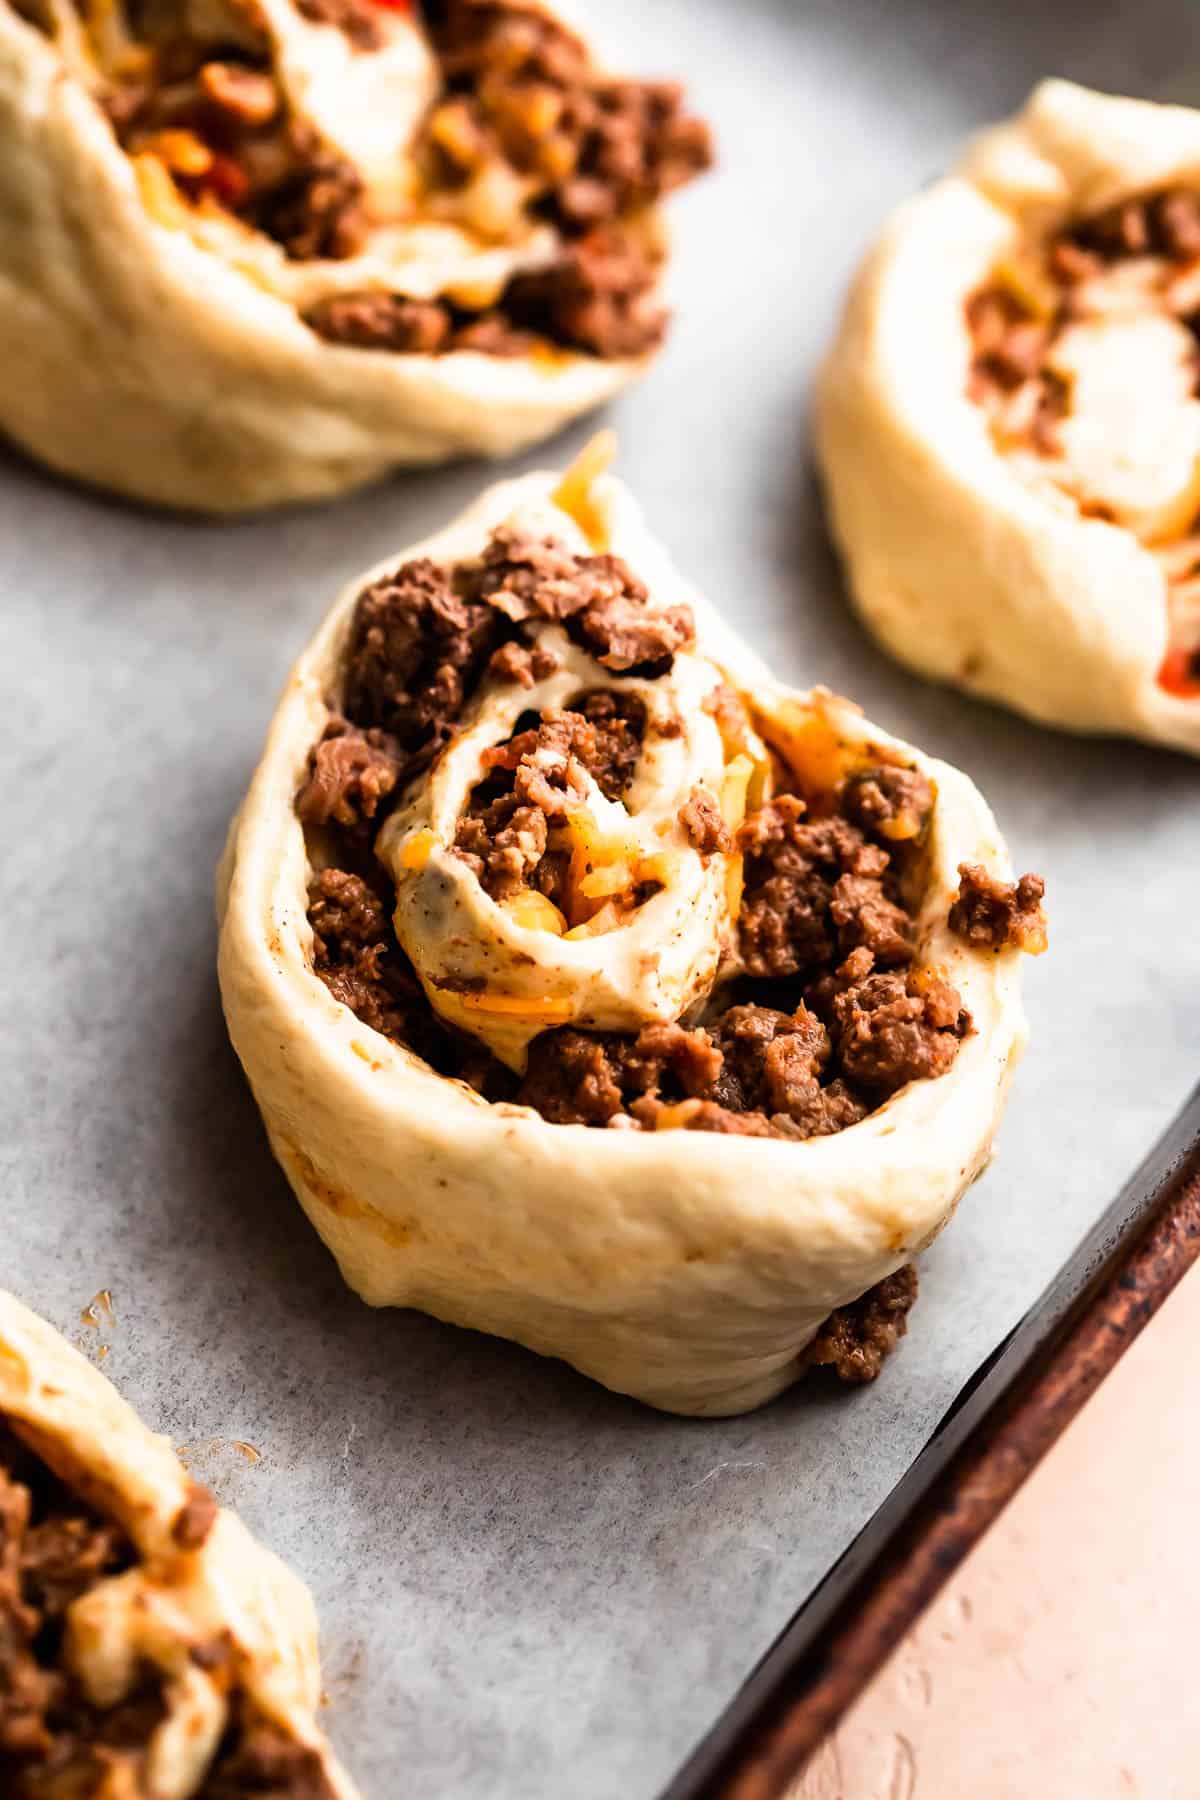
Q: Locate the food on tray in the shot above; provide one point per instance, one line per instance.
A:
(596, 988)
(257, 250)
(1009, 422)
(148, 1646)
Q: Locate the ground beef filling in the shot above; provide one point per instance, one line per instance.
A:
(522, 112)
(829, 1016)
(580, 149)
(54, 1744)
(598, 297)
(507, 833)
(856, 1340)
(999, 915)
(212, 115)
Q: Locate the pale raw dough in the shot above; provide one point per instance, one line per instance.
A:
(172, 1600)
(964, 567)
(685, 1268)
(167, 360)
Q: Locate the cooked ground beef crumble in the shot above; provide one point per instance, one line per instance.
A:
(999, 915)
(54, 1743)
(856, 1340)
(504, 834)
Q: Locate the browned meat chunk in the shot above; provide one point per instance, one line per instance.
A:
(813, 889)
(998, 915)
(700, 816)
(356, 955)
(416, 651)
(521, 663)
(888, 802)
(773, 1063)
(259, 1760)
(530, 781)
(317, 210)
(351, 773)
(600, 296)
(371, 319)
(581, 1078)
(603, 606)
(856, 1340)
(891, 1029)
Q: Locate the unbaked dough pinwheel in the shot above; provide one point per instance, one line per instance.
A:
(598, 990)
(264, 250)
(148, 1646)
(1009, 423)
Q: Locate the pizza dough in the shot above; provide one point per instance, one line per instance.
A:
(588, 813)
(147, 1639)
(1008, 425)
(258, 252)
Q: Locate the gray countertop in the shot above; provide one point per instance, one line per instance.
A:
(528, 1586)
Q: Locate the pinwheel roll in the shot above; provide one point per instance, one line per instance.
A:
(149, 1647)
(597, 989)
(1009, 426)
(258, 251)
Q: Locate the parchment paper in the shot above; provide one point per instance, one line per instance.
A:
(528, 1587)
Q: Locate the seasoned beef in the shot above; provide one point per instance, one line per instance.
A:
(373, 319)
(259, 1760)
(356, 955)
(1012, 339)
(700, 816)
(773, 1063)
(600, 296)
(813, 889)
(350, 774)
(523, 87)
(523, 663)
(856, 1340)
(317, 209)
(889, 802)
(584, 1078)
(890, 1029)
(531, 779)
(597, 297)
(1163, 224)
(599, 601)
(416, 651)
(997, 915)
(753, 1071)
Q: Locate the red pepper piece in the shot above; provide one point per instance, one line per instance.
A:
(1180, 673)
(226, 180)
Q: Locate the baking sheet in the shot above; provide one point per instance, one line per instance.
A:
(530, 1587)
